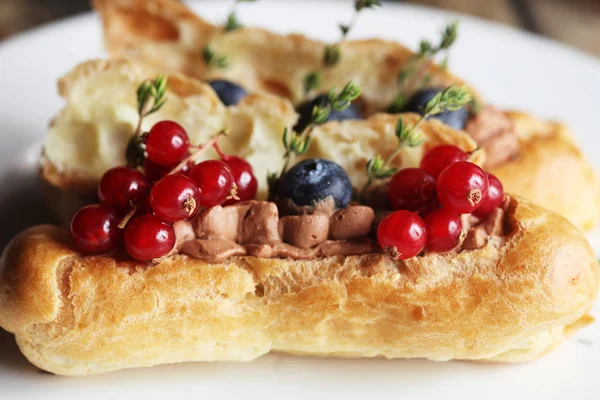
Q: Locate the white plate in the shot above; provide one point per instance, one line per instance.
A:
(511, 68)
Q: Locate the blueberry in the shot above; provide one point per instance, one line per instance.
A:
(229, 93)
(313, 180)
(305, 110)
(455, 119)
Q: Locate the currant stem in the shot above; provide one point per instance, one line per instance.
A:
(218, 150)
(192, 157)
(127, 217)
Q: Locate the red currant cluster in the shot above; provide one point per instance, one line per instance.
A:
(430, 200)
(171, 188)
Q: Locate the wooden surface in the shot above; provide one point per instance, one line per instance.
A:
(575, 22)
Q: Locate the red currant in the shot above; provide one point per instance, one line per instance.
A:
(461, 187)
(155, 172)
(148, 237)
(438, 158)
(243, 177)
(94, 229)
(122, 186)
(402, 234)
(411, 189)
(443, 230)
(167, 143)
(493, 200)
(175, 198)
(214, 179)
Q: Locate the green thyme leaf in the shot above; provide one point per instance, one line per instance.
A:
(232, 23)
(332, 55)
(425, 48)
(376, 169)
(349, 93)
(312, 81)
(151, 95)
(401, 130)
(211, 58)
(344, 29)
(360, 5)
(452, 98)
(320, 113)
(449, 36)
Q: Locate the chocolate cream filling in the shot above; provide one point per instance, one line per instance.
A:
(254, 228)
(495, 132)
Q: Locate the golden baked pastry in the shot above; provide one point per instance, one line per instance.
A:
(549, 168)
(511, 301)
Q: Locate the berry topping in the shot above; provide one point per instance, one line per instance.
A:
(456, 119)
(305, 110)
(313, 180)
(215, 181)
(402, 234)
(438, 158)
(243, 177)
(148, 237)
(411, 189)
(443, 230)
(120, 187)
(493, 200)
(229, 93)
(94, 229)
(167, 143)
(462, 187)
(175, 197)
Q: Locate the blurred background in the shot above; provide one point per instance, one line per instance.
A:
(575, 22)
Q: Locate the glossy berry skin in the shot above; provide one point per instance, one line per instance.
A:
(305, 111)
(455, 119)
(148, 237)
(494, 198)
(167, 143)
(313, 180)
(402, 234)
(175, 198)
(411, 189)
(94, 230)
(443, 230)
(214, 179)
(155, 172)
(438, 158)
(244, 178)
(229, 92)
(120, 187)
(462, 187)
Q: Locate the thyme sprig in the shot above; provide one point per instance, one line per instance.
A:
(232, 23)
(296, 144)
(210, 56)
(150, 98)
(332, 53)
(212, 59)
(413, 75)
(452, 98)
